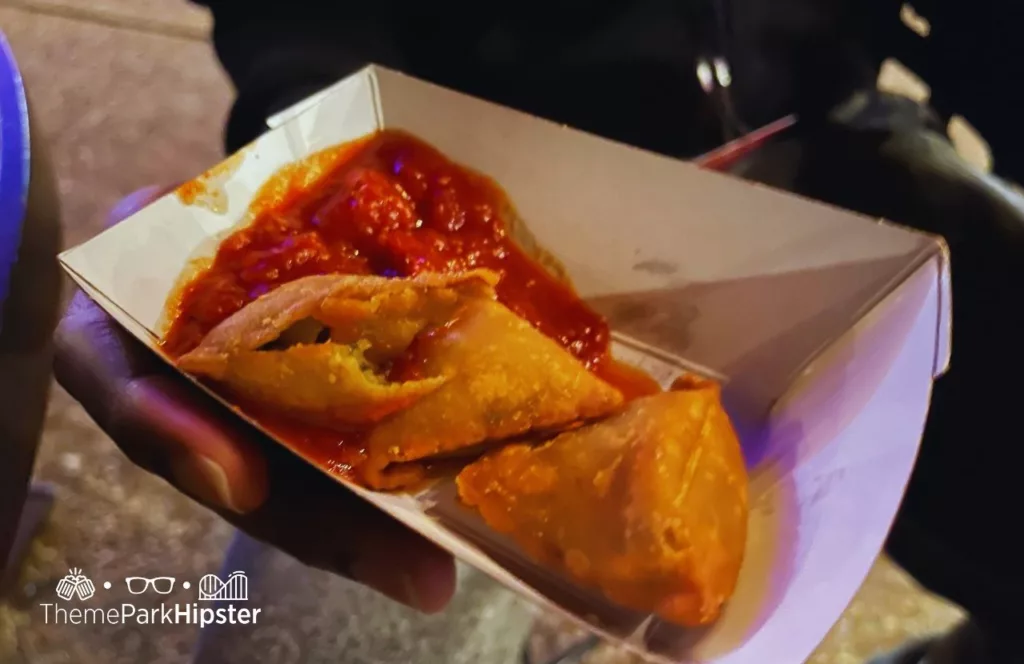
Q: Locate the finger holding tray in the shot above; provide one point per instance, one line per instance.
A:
(708, 483)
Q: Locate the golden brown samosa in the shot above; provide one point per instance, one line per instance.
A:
(649, 505)
(502, 378)
(318, 348)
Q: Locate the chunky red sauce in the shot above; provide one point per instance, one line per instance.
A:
(391, 205)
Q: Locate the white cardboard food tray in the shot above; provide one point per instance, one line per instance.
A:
(827, 329)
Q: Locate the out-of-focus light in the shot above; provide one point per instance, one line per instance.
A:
(915, 21)
(705, 76)
(723, 73)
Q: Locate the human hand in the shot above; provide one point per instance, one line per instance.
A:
(166, 426)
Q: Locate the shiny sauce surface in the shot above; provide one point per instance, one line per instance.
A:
(387, 205)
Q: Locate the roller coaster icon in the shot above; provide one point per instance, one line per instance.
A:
(234, 589)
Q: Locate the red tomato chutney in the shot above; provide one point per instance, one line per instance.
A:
(391, 205)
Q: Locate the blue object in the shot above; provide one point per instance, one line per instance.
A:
(14, 166)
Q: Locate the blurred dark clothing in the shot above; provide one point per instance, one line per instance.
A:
(626, 70)
(621, 69)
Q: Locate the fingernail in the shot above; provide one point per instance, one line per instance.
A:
(205, 480)
(386, 580)
(409, 591)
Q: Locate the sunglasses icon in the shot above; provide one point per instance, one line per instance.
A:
(161, 585)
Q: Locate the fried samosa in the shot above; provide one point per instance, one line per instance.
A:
(649, 505)
(318, 348)
(502, 378)
(424, 367)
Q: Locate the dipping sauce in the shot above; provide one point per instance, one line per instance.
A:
(390, 205)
